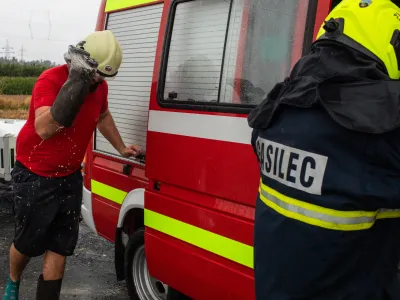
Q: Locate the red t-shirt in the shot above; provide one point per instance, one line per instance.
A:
(62, 154)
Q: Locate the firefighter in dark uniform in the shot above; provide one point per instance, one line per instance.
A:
(327, 223)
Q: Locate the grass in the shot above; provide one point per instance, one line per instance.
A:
(17, 85)
(14, 107)
(20, 114)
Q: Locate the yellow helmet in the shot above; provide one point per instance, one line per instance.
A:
(397, 2)
(369, 26)
(105, 49)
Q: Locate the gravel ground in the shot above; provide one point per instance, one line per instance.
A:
(89, 274)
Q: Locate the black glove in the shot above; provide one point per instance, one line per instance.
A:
(72, 94)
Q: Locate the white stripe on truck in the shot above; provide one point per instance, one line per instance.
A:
(213, 127)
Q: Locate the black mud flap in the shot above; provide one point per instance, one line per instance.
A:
(119, 255)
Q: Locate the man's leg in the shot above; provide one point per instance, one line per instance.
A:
(30, 226)
(53, 266)
(18, 262)
(49, 283)
(62, 238)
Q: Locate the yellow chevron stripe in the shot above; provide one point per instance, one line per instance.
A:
(204, 239)
(207, 240)
(108, 192)
(112, 5)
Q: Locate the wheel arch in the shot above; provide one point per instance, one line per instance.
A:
(133, 201)
(131, 218)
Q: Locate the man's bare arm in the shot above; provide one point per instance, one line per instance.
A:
(45, 125)
(69, 98)
(110, 131)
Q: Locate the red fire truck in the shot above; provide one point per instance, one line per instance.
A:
(182, 216)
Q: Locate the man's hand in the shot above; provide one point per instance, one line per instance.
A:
(82, 66)
(72, 94)
(132, 150)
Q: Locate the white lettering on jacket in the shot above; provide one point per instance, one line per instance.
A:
(293, 167)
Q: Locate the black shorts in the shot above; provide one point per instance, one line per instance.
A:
(46, 212)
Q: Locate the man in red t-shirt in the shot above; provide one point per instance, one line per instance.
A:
(68, 102)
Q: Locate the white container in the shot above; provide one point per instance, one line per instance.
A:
(9, 130)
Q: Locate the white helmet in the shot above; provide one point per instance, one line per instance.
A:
(105, 49)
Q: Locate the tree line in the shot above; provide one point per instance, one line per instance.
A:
(15, 68)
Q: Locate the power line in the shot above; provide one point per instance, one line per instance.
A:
(49, 24)
(30, 27)
(41, 38)
(7, 50)
(48, 16)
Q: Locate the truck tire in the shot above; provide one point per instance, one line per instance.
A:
(141, 286)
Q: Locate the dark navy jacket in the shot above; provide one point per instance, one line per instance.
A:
(328, 136)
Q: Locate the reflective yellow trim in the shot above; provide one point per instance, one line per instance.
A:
(321, 216)
(207, 240)
(316, 208)
(311, 221)
(212, 242)
(121, 4)
(390, 214)
(108, 192)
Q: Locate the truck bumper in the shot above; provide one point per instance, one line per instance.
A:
(86, 211)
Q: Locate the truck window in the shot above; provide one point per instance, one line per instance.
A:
(230, 52)
(137, 31)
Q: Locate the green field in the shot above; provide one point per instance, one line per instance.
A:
(16, 85)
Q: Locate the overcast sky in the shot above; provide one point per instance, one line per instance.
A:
(27, 23)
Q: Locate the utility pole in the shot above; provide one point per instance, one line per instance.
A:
(21, 53)
(7, 50)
